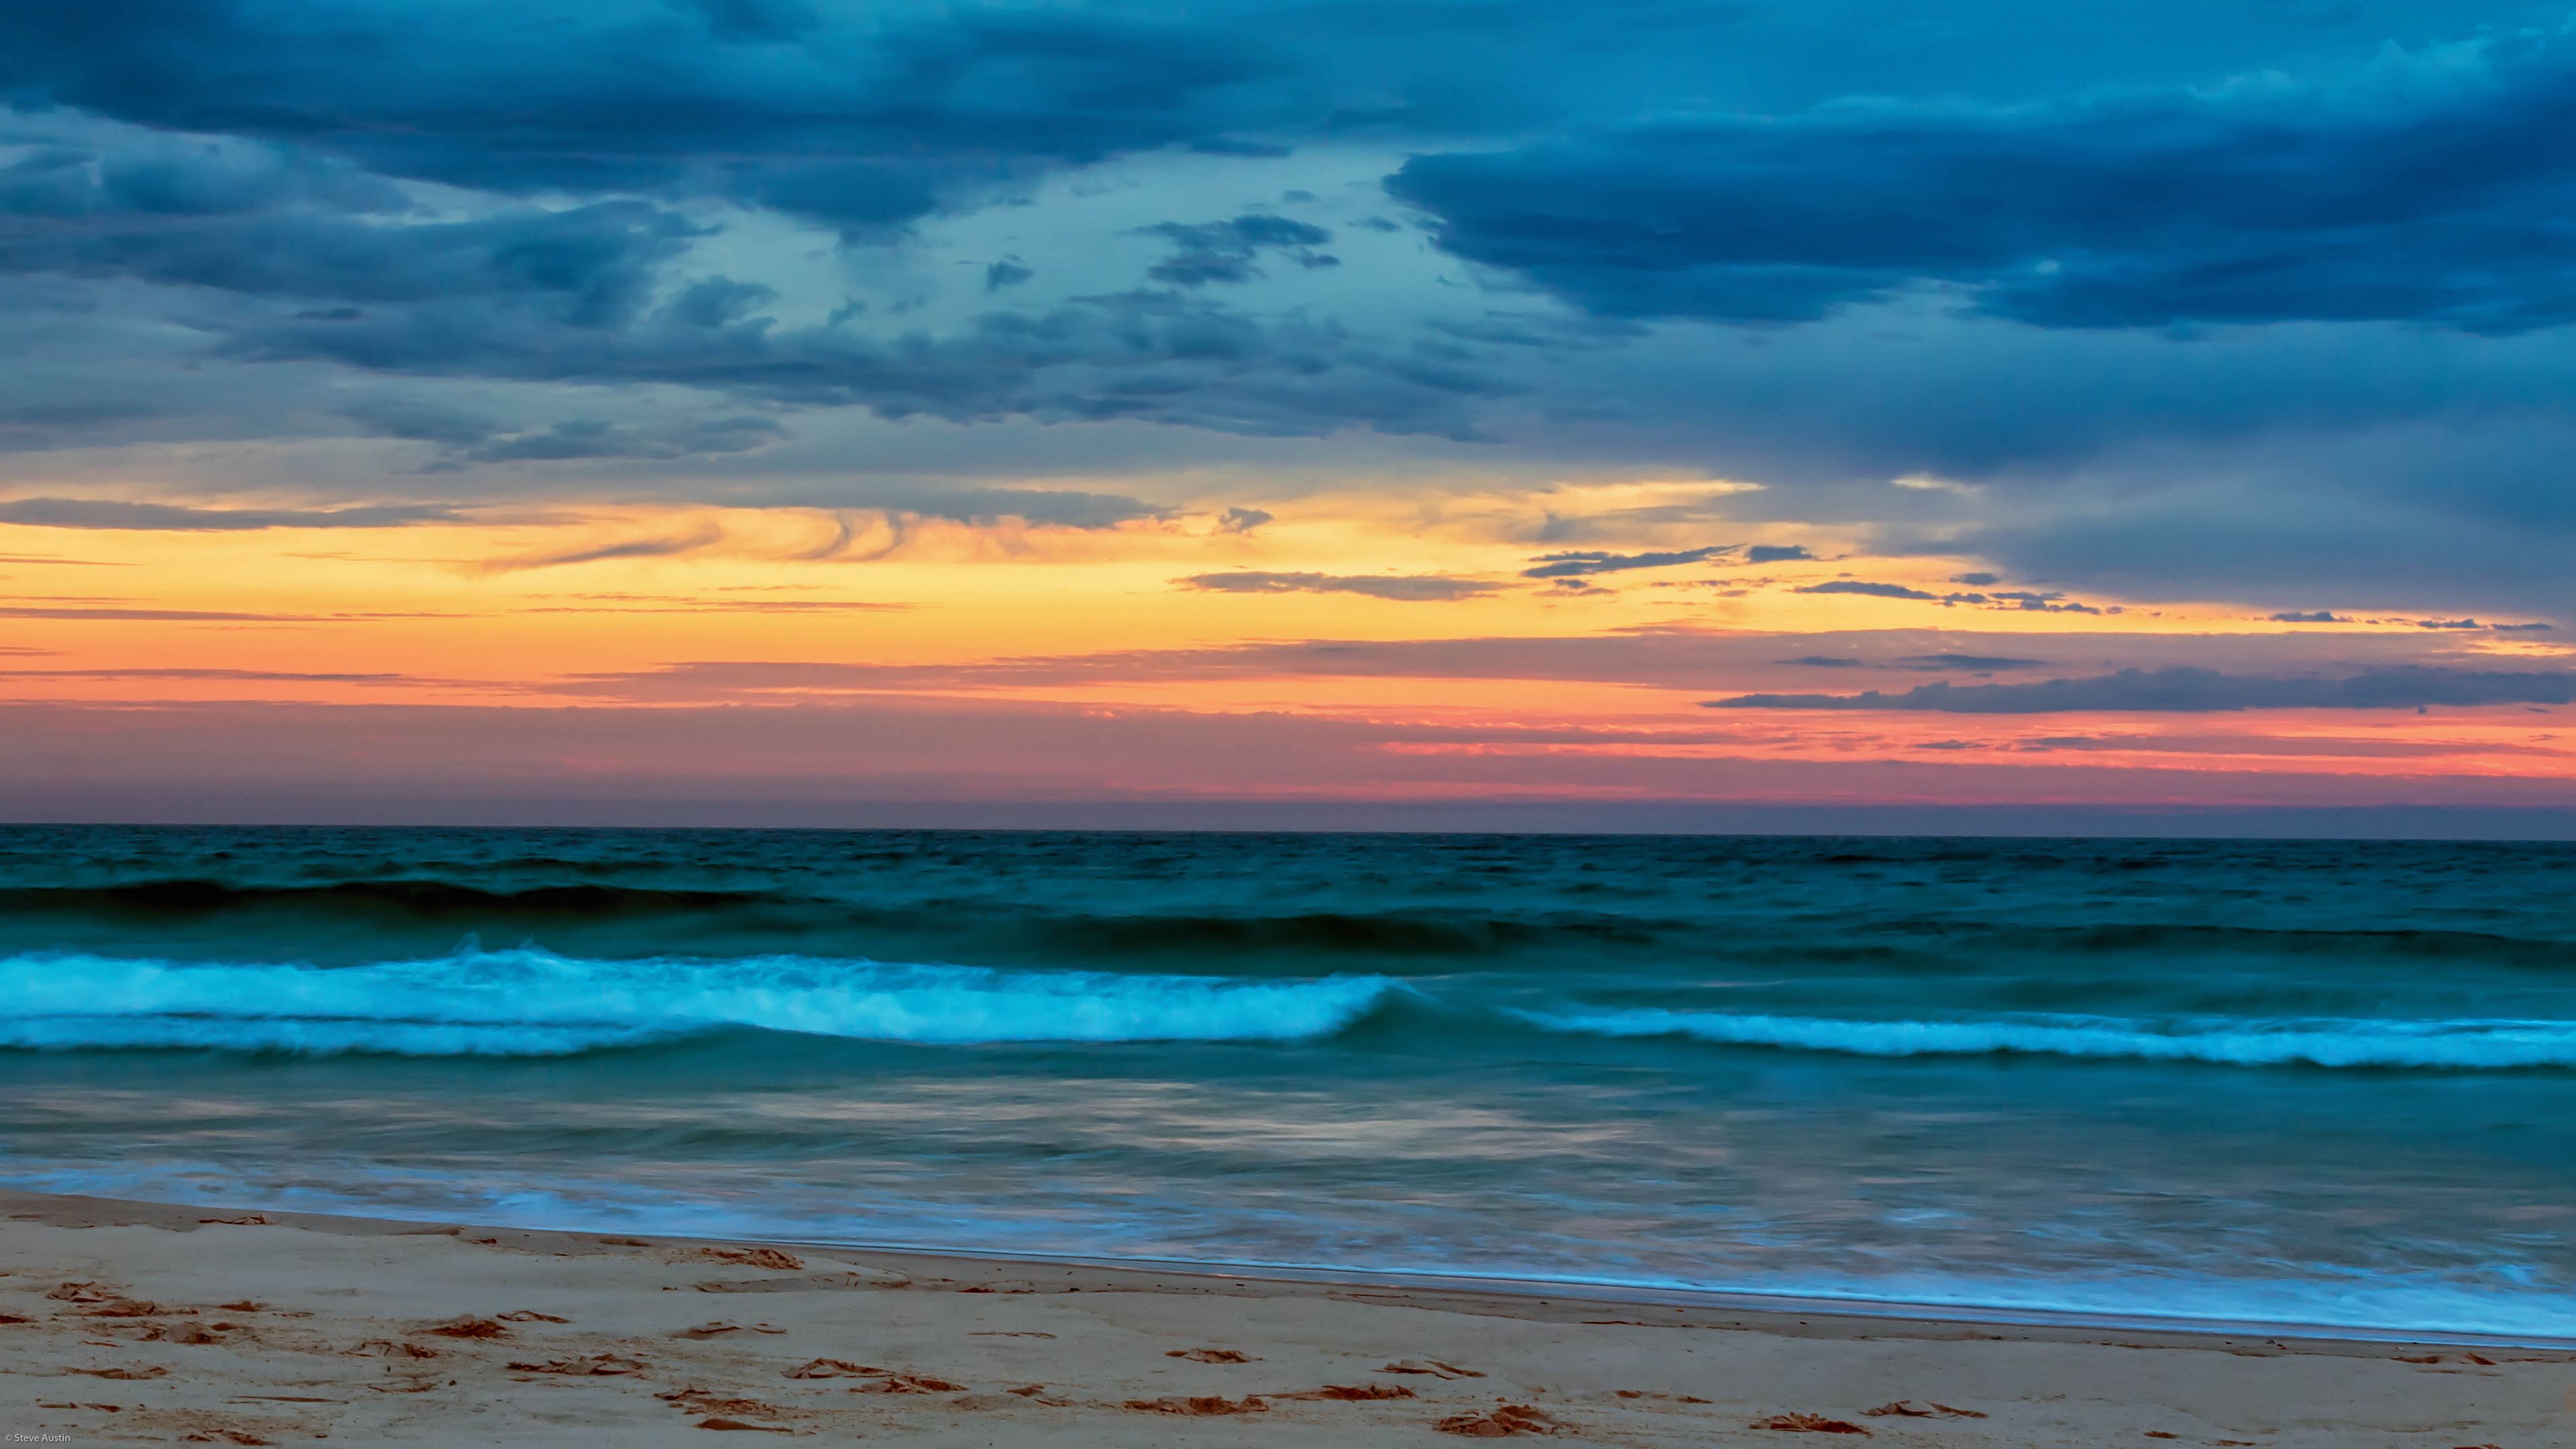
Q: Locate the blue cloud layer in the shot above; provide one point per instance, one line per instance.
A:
(2444, 194)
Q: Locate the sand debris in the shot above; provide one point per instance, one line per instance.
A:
(530, 1315)
(1209, 1355)
(707, 1401)
(597, 1365)
(1203, 1406)
(132, 1308)
(718, 1421)
(470, 1328)
(1905, 1407)
(834, 1368)
(246, 1220)
(82, 1293)
(388, 1348)
(751, 1258)
(1502, 1420)
(909, 1384)
(1431, 1366)
(1794, 1423)
(1037, 1394)
(1352, 1393)
(154, 1372)
(719, 1328)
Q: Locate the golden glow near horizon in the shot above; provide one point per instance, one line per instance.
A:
(644, 607)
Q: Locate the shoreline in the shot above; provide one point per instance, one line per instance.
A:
(163, 1321)
(1170, 1274)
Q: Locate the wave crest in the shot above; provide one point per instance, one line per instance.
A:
(531, 1002)
(2469, 1044)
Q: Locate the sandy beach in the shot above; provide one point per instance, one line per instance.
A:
(141, 1323)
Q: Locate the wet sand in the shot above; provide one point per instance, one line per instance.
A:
(141, 1323)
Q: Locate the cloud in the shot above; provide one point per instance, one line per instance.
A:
(1823, 661)
(1576, 563)
(2184, 689)
(167, 616)
(1224, 251)
(1858, 586)
(1412, 588)
(1241, 520)
(685, 604)
(2428, 193)
(1763, 553)
(860, 506)
(2029, 602)
(1980, 663)
(2313, 616)
(863, 120)
(1137, 356)
(108, 514)
(227, 675)
(691, 541)
(589, 438)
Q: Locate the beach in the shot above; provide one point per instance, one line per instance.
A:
(129, 1322)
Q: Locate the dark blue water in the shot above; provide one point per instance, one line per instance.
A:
(2324, 1083)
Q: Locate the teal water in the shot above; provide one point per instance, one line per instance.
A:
(2315, 1083)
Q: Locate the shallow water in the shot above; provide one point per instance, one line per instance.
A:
(2320, 1083)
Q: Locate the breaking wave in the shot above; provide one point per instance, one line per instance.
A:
(531, 1002)
(2470, 1044)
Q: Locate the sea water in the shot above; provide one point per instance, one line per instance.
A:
(2330, 1084)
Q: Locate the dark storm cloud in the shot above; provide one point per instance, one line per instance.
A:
(209, 208)
(1144, 356)
(1576, 563)
(1411, 589)
(858, 119)
(2443, 198)
(102, 513)
(2183, 689)
(260, 222)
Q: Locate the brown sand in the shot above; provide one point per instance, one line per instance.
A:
(137, 1323)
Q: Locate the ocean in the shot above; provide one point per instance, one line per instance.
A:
(2321, 1084)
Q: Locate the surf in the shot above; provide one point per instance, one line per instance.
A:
(528, 1001)
(2461, 1044)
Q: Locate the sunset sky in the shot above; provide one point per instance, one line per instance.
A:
(1419, 413)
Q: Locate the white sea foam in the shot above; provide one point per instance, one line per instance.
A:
(530, 1002)
(2466, 1044)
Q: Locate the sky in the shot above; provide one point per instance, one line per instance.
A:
(1780, 414)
